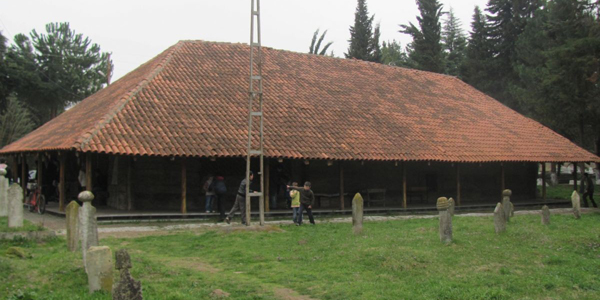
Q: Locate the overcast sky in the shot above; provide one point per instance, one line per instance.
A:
(134, 31)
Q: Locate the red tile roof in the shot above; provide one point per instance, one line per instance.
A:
(191, 100)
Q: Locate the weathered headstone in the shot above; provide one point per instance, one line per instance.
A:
(499, 219)
(72, 219)
(576, 201)
(88, 228)
(451, 208)
(15, 206)
(126, 288)
(357, 213)
(512, 209)
(99, 266)
(445, 220)
(545, 215)
(506, 204)
(3, 194)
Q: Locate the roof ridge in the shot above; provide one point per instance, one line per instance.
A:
(87, 137)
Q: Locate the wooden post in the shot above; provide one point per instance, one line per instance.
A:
(61, 184)
(502, 181)
(24, 177)
(129, 194)
(40, 167)
(341, 166)
(574, 176)
(404, 205)
(183, 187)
(544, 181)
(88, 172)
(457, 184)
(267, 186)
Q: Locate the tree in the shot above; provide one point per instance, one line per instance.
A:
(364, 43)
(454, 44)
(392, 54)
(475, 68)
(426, 50)
(55, 69)
(4, 78)
(15, 122)
(315, 46)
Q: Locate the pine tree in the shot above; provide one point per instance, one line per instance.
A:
(364, 41)
(425, 51)
(475, 68)
(15, 122)
(4, 78)
(392, 54)
(454, 44)
(315, 45)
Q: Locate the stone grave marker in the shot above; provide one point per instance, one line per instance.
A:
(15, 206)
(499, 218)
(126, 288)
(545, 215)
(445, 220)
(506, 204)
(99, 266)
(576, 201)
(357, 213)
(452, 205)
(88, 228)
(72, 220)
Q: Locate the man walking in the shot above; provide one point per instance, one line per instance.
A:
(240, 201)
(589, 191)
(307, 201)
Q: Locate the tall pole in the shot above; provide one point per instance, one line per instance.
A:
(62, 184)
(255, 94)
(183, 187)
(341, 185)
(267, 185)
(404, 204)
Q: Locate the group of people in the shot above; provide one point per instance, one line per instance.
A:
(302, 199)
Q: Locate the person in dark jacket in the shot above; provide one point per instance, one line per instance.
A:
(220, 190)
(589, 190)
(307, 201)
(240, 201)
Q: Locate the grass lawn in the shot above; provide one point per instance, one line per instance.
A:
(564, 192)
(27, 226)
(392, 260)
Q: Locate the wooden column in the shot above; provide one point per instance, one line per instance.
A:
(129, 193)
(61, 184)
(574, 173)
(404, 205)
(341, 167)
(457, 184)
(544, 181)
(502, 181)
(24, 177)
(183, 187)
(40, 169)
(88, 172)
(267, 185)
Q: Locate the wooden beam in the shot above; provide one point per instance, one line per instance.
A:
(61, 184)
(88, 172)
(267, 186)
(341, 167)
(40, 169)
(574, 176)
(183, 187)
(404, 204)
(544, 181)
(458, 184)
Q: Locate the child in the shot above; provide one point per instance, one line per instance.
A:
(295, 203)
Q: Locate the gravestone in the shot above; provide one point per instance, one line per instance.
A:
(506, 204)
(88, 228)
(545, 215)
(499, 218)
(3, 194)
(126, 288)
(15, 206)
(72, 219)
(99, 266)
(451, 208)
(445, 220)
(357, 213)
(576, 201)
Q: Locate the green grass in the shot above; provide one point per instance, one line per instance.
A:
(562, 192)
(27, 226)
(391, 260)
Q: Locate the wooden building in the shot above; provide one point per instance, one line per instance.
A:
(408, 136)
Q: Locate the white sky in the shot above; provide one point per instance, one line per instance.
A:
(134, 31)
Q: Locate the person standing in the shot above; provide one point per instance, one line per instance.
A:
(209, 190)
(220, 191)
(307, 201)
(295, 204)
(240, 201)
(589, 190)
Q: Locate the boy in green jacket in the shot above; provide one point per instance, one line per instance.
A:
(295, 195)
